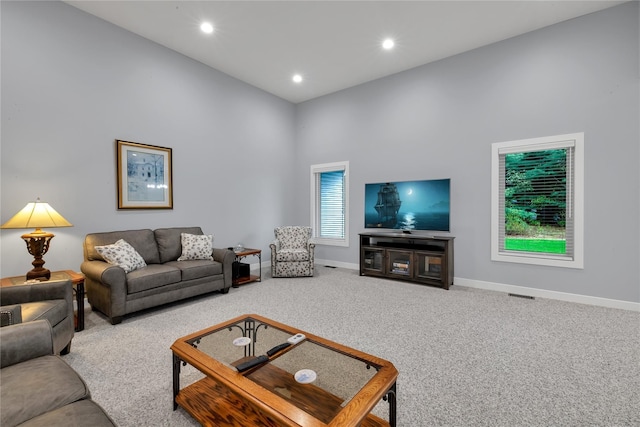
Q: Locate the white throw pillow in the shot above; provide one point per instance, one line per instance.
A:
(123, 255)
(196, 246)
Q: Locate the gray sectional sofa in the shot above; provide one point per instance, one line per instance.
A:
(164, 279)
(39, 389)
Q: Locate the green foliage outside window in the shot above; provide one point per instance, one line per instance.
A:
(535, 201)
(536, 245)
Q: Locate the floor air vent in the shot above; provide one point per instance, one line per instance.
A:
(522, 296)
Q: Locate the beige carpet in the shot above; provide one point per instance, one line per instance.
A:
(466, 357)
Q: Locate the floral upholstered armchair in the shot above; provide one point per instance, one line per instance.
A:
(292, 252)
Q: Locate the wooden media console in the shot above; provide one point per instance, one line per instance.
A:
(413, 257)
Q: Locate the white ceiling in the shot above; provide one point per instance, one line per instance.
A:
(332, 44)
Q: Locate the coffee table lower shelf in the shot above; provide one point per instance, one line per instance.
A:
(212, 404)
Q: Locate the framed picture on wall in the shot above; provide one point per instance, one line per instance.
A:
(144, 176)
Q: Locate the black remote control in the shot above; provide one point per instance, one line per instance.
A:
(277, 348)
(251, 363)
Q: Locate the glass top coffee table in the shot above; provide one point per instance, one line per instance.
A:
(312, 382)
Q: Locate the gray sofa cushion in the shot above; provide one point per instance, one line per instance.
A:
(81, 413)
(37, 386)
(55, 311)
(152, 276)
(197, 268)
(170, 243)
(143, 241)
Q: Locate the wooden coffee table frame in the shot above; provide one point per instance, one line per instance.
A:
(226, 397)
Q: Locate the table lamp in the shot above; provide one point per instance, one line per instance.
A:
(37, 215)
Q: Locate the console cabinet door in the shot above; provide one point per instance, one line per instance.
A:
(400, 263)
(372, 261)
(430, 266)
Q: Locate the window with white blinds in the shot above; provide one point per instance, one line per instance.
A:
(537, 201)
(329, 203)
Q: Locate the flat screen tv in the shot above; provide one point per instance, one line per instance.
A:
(408, 205)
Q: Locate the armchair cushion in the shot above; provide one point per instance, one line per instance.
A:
(46, 382)
(293, 237)
(81, 413)
(292, 255)
(10, 315)
(55, 311)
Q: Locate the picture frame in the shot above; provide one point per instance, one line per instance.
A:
(145, 178)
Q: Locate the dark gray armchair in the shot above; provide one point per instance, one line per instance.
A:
(38, 388)
(52, 301)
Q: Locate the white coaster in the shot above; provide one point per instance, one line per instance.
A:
(242, 341)
(305, 376)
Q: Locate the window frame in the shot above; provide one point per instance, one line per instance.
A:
(575, 140)
(316, 170)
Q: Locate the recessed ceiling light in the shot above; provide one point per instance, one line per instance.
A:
(388, 44)
(297, 78)
(206, 28)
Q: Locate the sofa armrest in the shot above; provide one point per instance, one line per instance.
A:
(18, 294)
(25, 341)
(226, 257)
(107, 274)
(275, 246)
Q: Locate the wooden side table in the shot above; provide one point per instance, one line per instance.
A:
(252, 277)
(77, 283)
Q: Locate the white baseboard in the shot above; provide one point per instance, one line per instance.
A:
(543, 293)
(328, 263)
(520, 290)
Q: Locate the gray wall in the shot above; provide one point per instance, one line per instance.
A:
(439, 120)
(72, 84)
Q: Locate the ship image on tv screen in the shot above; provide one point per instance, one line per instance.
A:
(408, 205)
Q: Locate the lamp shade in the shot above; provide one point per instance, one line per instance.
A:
(37, 215)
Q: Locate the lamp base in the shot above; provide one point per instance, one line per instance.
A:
(41, 274)
(38, 245)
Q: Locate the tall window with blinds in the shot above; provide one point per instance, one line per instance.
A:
(329, 203)
(537, 201)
